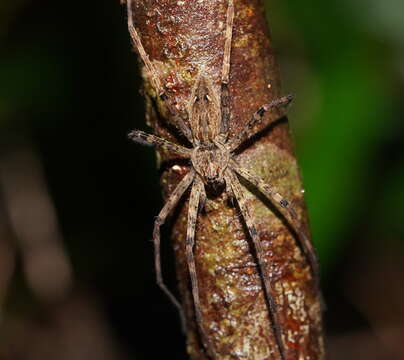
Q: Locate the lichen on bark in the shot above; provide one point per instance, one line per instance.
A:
(180, 37)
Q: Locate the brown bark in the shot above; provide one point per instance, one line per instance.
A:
(181, 36)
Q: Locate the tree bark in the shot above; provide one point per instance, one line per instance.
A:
(180, 37)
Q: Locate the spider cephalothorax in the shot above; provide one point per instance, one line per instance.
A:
(212, 163)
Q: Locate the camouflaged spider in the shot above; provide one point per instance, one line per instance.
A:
(213, 163)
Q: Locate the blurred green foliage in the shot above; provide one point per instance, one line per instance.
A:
(354, 112)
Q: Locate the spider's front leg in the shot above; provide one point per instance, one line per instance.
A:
(161, 218)
(154, 77)
(224, 96)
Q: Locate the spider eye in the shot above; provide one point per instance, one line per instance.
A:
(212, 178)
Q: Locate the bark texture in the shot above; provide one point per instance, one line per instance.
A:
(181, 36)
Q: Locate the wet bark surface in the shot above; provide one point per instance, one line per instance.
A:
(181, 37)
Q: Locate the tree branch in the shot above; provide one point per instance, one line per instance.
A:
(180, 37)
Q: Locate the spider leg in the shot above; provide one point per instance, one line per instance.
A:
(257, 117)
(225, 98)
(273, 308)
(153, 75)
(147, 139)
(165, 211)
(151, 72)
(289, 213)
(196, 193)
(192, 118)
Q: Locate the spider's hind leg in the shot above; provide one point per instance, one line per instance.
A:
(194, 200)
(231, 177)
(165, 211)
(290, 214)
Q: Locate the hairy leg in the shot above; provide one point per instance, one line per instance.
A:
(249, 221)
(289, 213)
(193, 113)
(165, 211)
(151, 72)
(257, 118)
(225, 100)
(144, 138)
(153, 75)
(196, 192)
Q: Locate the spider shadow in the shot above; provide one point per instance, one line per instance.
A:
(260, 134)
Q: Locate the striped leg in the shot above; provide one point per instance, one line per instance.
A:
(153, 76)
(165, 211)
(225, 101)
(249, 221)
(196, 193)
(151, 72)
(257, 118)
(290, 215)
(147, 139)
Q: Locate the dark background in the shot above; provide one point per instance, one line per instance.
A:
(77, 199)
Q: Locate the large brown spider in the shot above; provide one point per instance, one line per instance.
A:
(213, 163)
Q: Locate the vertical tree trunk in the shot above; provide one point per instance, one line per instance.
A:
(181, 36)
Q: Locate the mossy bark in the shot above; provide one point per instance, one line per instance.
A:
(181, 36)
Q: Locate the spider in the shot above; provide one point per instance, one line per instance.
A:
(213, 164)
